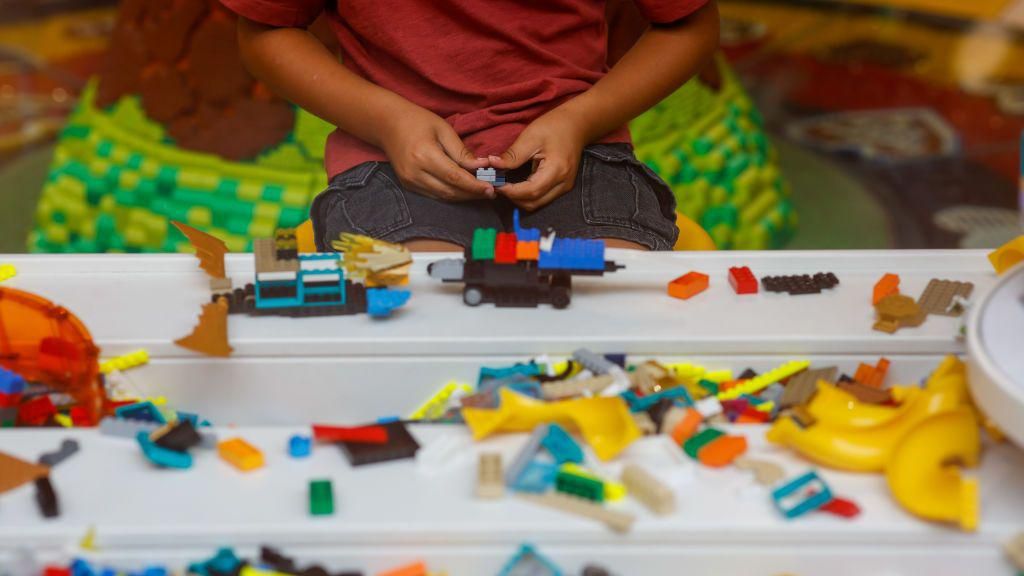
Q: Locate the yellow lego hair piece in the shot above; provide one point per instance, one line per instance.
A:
(436, 405)
(7, 271)
(125, 361)
(765, 380)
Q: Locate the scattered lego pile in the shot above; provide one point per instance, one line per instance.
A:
(271, 562)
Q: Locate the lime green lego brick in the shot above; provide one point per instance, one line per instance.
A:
(266, 211)
(250, 191)
(198, 180)
(295, 197)
(484, 240)
(261, 228)
(199, 217)
(57, 233)
(284, 156)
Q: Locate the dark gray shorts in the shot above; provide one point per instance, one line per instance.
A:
(615, 196)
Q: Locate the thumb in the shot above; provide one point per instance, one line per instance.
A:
(520, 152)
(457, 151)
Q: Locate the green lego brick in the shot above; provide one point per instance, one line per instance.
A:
(484, 240)
(706, 436)
(321, 498)
(581, 486)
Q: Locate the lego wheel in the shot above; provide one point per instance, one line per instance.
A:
(560, 297)
(472, 296)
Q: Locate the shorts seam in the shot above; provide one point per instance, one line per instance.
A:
(651, 240)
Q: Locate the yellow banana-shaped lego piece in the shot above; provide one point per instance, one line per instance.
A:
(920, 473)
(839, 408)
(605, 422)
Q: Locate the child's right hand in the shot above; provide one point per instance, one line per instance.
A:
(429, 157)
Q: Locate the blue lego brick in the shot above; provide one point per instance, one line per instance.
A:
(536, 477)
(524, 234)
(801, 495)
(162, 456)
(529, 562)
(224, 562)
(300, 446)
(11, 382)
(573, 254)
(388, 419)
(145, 411)
(380, 302)
(562, 447)
(639, 404)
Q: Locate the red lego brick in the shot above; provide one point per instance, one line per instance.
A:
(9, 400)
(36, 411)
(752, 415)
(354, 434)
(56, 571)
(841, 507)
(742, 280)
(505, 248)
(688, 285)
(81, 417)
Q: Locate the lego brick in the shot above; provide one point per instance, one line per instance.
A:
(706, 436)
(415, 569)
(765, 473)
(10, 401)
(354, 434)
(7, 271)
(178, 437)
(754, 385)
(897, 311)
(68, 448)
(562, 447)
(490, 482)
(484, 240)
(240, 454)
(650, 491)
(614, 519)
(688, 285)
(528, 251)
(536, 477)
(803, 386)
(300, 446)
(1014, 550)
(400, 445)
(15, 472)
(321, 498)
(160, 456)
(36, 412)
(722, 451)
(529, 562)
(801, 495)
(11, 383)
(866, 394)
(887, 285)
(573, 254)
(872, 375)
(942, 297)
(525, 455)
(1007, 255)
(144, 411)
(841, 507)
(125, 361)
(437, 405)
(581, 486)
(796, 285)
(563, 389)
(505, 248)
(46, 498)
(742, 280)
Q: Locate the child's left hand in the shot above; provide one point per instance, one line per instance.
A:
(554, 142)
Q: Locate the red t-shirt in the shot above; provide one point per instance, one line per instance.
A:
(489, 67)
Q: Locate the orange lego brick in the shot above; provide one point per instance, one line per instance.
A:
(528, 251)
(886, 286)
(722, 451)
(872, 376)
(240, 454)
(688, 285)
(416, 569)
(687, 426)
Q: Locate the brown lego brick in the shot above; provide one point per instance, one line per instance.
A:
(801, 416)
(15, 472)
(803, 386)
(866, 394)
(938, 297)
(266, 258)
(898, 311)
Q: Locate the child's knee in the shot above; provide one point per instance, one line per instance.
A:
(619, 243)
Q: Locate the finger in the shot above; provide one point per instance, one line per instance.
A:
(522, 150)
(531, 205)
(454, 147)
(443, 168)
(545, 178)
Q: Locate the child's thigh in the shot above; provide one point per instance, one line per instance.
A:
(615, 197)
(369, 200)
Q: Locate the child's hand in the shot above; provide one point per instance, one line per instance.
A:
(430, 158)
(555, 143)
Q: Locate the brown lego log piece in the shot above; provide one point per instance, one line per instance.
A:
(210, 336)
(650, 491)
(210, 250)
(15, 472)
(803, 386)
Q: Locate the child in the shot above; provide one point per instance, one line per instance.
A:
(428, 91)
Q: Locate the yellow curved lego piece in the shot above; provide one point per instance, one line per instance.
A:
(1007, 255)
(605, 423)
(920, 473)
(851, 435)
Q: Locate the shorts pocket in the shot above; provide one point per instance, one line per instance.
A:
(363, 200)
(619, 190)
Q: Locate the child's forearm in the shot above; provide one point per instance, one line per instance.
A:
(299, 68)
(662, 59)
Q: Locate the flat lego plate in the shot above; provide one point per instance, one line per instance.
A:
(392, 513)
(156, 299)
(996, 353)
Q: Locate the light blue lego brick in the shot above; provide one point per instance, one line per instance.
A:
(562, 447)
(300, 446)
(529, 562)
(381, 302)
(536, 477)
(487, 373)
(162, 456)
(801, 495)
(224, 562)
(639, 404)
(145, 411)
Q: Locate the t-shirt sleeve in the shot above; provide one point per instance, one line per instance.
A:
(667, 11)
(283, 13)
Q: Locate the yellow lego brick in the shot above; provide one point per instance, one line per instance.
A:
(125, 361)
(755, 385)
(687, 371)
(7, 271)
(240, 454)
(765, 407)
(64, 420)
(1007, 255)
(718, 376)
(436, 405)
